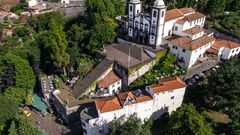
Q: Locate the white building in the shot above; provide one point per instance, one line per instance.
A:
(152, 102)
(226, 49)
(111, 83)
(32, 3)
(190, 41)
(188, 51)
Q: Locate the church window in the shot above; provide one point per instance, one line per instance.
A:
(176, 28)
(136, 24)
(154, 13)
(183, 50)
(131, 8)
(162, 13)
(137, 11)
(172, 97)
(141, 26)
(146, 27)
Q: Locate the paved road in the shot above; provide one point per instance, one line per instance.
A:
(199, 68)
(48, 124)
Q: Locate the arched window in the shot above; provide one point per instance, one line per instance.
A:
(146, 27)
(136, 24)
(131, 8)
(162, 13)
(154, 13)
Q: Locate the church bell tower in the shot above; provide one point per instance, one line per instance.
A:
(157, 23)
(134, 9)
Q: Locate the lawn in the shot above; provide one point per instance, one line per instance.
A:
(218, 117)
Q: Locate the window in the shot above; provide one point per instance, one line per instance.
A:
(118, 82)
(141, 26)
(183, 50)
(113, 85)
(232, 51)
(237, 50)
(136, 24)
(131, 8)
(137, 11)
(162, 13)
(146, 27)
(190, 23)
(176, 47)
(154, 13)
(176, 28)
(172, 97)
(83, 124)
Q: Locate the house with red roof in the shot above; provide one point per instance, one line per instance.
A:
(151, 102)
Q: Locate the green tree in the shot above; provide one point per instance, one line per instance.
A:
(53, 43)
(18, 95)
(131, 126)
(12, 130)
(215, 7)
(227, 79)
(103, 32)
(187, 121)
(8, 109)
(25, 127)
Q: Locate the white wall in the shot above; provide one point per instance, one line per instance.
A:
(115, 87)
(152, 108)
(188, 25)
(170, 99)
(190, 57)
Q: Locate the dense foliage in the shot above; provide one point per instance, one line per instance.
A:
(132, 125)
(164, 68)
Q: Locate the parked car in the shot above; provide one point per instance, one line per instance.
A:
(27, 113)
(214, 69)
(197, 77)
(202, 75)
(217, 66)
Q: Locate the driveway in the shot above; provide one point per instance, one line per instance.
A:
(47, 123)
(199, 68)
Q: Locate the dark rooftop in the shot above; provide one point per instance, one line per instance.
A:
(127, 55)
(84, 84)
(89, 112)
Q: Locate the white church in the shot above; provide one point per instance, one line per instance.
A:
(182, 29)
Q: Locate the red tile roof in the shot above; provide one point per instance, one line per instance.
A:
(108, 80)
(108, 104)
(126, 95)
(219, 43)
(187, 43)
(143, 97)
(168, 84)
(173, 14)
(186, 10)
(194, 16)
(194, 30)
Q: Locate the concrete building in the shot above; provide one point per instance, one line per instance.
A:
(152, 102)
(226, 49)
